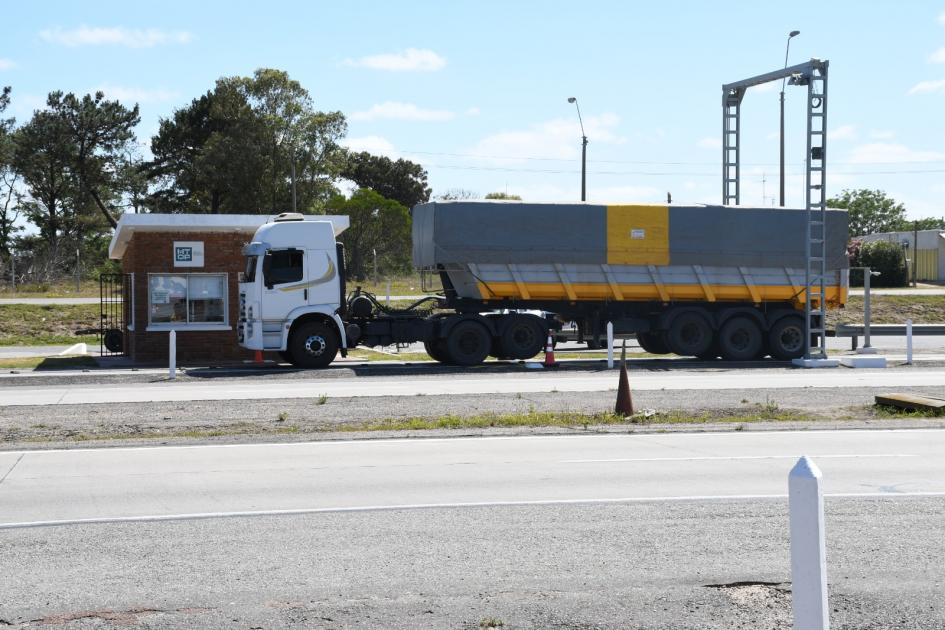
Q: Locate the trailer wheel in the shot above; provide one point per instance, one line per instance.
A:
(468, 343)
(436, 351)
(313, 345)
(712, 352)
(740, 339)
(521, 339)
(652, 342)
(689, 335)
(786, 338)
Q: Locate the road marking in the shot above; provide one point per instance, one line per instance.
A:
(433, 506)
(722, 457)
(480, 438)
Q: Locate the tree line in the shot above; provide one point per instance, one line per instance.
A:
(250, 145)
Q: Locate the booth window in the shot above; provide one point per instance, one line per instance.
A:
(187, 299)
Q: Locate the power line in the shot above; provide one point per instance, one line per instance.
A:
(644, 162)
(504, 169)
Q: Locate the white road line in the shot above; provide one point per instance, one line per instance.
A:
(433, 506)
(733, 457)
(478, 438)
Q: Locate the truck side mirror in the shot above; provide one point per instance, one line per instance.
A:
(267, 266)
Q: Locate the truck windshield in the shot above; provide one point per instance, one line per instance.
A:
(250, 274)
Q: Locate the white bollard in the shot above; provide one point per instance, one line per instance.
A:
(908, 342)
(610, 345)
(172, 356)
(808, 547)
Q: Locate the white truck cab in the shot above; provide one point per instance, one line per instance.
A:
(292, 289)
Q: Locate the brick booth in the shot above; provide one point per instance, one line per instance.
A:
(181, 272)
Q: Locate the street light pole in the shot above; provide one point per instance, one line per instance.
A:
(583, 151)
(786, 50)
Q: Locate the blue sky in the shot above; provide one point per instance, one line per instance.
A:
(477, 91)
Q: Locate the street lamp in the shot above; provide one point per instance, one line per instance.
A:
(583, 151)
(786, 49)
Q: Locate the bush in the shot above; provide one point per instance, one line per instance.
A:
(881, 256)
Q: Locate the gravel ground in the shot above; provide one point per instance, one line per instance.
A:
(668, 566)
(306, 419)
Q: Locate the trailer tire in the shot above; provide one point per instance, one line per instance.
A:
(436, 351)
(690, 335)
(521, 339)
(740, 339)
(313, 345)
(786, 338)
(652, 342)
(468, 343)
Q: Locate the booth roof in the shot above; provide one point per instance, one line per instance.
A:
(128, 224)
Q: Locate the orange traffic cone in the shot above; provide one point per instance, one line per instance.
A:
(259, 357)
(624, 406)
(550, 351)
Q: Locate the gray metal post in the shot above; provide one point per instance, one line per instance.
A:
(78, 272)
(584, 168)
(13, 268)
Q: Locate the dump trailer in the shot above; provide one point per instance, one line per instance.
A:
(694, 280)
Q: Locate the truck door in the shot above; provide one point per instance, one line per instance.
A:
(283, 280)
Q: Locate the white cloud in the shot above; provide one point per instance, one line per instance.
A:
(410, 60)
(136, 95)
(770, 86)
(843, 132)
(472, 111)
(117, 35)
(938, 56)
(709, 143)
(882, 134)
(6, 64)
(559, 138)
(372, 144)
(402, 111)
(928, 87)
(886, 153)
(941, 17)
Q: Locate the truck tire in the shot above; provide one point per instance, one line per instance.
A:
(285, 355)
(313, 345)
(521, 339)
(786, 338)
(436, 351)
(468, 343)
(652, 342)
(690, 335)
(740, 339)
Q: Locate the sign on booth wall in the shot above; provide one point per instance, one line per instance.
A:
(188, 253)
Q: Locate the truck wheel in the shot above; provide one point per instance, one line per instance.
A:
(786, 338)
(285, 355)
(435, 350)
(689, 335)
(313, 345)
(521, 339)
(740, 339)
(652, 342)
(468, 343)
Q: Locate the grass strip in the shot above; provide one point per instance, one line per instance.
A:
(48, 363)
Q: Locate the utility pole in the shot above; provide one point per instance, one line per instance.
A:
(786, 50)
(583, 150)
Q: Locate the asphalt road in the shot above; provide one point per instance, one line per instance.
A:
(514, 382)
(664, 531)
